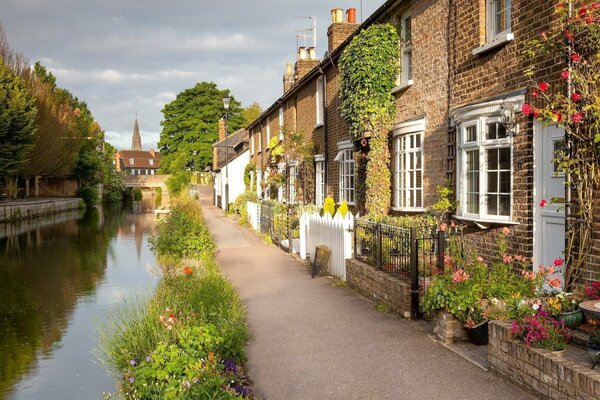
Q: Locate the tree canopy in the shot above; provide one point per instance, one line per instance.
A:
(251, 113)
(190, 125)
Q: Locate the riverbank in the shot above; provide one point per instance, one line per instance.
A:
(15, 210)
(188, 341)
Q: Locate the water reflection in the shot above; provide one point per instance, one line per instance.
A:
(56, 282)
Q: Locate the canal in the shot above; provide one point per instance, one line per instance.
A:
(61, 279)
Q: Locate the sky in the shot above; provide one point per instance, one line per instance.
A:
(128, 56)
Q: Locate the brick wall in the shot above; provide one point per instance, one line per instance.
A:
(540, 371)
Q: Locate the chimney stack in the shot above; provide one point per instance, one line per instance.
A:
(288, 78)
(307, 60)
(152, 153)
(340, 30)
(221, 129)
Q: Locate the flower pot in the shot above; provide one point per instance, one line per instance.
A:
(591, 310)
(558, 353)
(478, 334)
(572, 319)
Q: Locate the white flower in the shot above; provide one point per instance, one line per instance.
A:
(522, 302)
(535, 307)
(495, 301)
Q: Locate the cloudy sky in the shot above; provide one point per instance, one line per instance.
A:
(126, 55)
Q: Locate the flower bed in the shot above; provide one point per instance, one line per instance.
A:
(188, 341)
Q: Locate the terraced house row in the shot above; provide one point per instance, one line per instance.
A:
(458, 118)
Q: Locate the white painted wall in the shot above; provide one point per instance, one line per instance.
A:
(235, 172)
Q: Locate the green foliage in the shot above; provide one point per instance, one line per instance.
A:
(89, 195)
(369, 67)
(328, 206)
(182, 234)
(251, 113)
(445, 203)
(17, 123)
(240, 205)
(190, 125)
(136, 194)
(178, 182)
(158, 199)
(188, 340)
(249, 171)
(383, 308)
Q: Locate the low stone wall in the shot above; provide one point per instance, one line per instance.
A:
(14, 211)
(540, 371)
(447, 328)
(379, 286)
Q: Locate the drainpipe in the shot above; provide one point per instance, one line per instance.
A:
(568, 194)
(325, 136)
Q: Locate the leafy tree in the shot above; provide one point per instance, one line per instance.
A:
(17, 125)
(251, 113)
(191, 125)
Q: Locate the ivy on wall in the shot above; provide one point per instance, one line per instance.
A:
(369, 68)
(249, 171)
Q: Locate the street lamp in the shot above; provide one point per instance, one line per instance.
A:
(226, 101)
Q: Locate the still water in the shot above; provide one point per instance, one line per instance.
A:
(60, 279)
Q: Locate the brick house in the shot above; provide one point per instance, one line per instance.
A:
(137, 161)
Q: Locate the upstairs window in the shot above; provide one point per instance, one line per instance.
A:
(151, 161)
(320, 101)
(498, 19)
(251, 144)
(280, 123)
(406, 49)
(268, 131)
(131, 161)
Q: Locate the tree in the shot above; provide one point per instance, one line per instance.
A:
(251, 113)
(17, 125)
(190, 125)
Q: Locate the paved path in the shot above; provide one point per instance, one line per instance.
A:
(310, 340)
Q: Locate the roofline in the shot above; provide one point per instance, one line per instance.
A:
(335, 54)
(227, 137)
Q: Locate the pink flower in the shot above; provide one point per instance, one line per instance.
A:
(565, 74)
(443, 227)
(480, 259)
(575, 57)
(550, 270)
(535, 93)
(577, 117)
(575, 97)
(528, 275)
(569, 35)
(555, 283)
(505, 231)
(460, 276)
(532, 259)
(558, 262)
(595, 6)
(589, 19)
(527, 109)
(543, 203)
(543, 86)
(506, 259)
(448, 260)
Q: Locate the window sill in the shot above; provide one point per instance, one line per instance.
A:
(319, 125)
(402, 86)
(410, 209)
(348, 202)
(500, 40)
(485, 221)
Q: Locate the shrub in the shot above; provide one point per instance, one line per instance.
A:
(158, 199)
(240, 205)
(178, 182)
(88, 194)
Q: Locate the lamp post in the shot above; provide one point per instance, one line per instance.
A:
(226, 101)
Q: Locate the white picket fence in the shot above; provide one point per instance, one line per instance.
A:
(335, 233)
(253, 215)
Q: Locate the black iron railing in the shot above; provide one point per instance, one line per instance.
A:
(281, 223)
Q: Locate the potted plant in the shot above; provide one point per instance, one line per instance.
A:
(593, 346)
(542, 331)
(476, 325)
(565, 307)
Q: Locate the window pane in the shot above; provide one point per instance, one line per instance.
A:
(505, 182)
(473, 203)
(504, 156)
(504, 205)
(492, 182)
(492, 159)
(492, 204)
(501, 130)
(471, 134)
(418, 140)
(491, 131)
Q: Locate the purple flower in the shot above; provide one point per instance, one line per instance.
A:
(147, 358)
(230, 366)
(132, 379)
(241, 390)
(132, 362)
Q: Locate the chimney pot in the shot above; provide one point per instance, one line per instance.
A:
(288, 69)
(337, 15)
(221, 129)
(302, 53)
(312, 53)
(351, 13)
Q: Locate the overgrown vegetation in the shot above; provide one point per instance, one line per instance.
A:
(369, 67)
(178, 182)
(188, 341)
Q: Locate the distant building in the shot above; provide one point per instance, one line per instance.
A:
(137, 161)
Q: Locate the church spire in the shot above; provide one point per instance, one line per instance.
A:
(136, 141)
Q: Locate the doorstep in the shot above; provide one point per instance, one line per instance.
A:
(477, 355)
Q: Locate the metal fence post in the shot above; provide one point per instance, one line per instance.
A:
(379, 247)
(441, 249)
(414, 273)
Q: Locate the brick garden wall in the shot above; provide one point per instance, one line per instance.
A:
(549, 376)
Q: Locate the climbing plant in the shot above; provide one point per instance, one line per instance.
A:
(571, 100)
(249, 171)
(369, 68)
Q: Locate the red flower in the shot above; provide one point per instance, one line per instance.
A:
(543, 203)
(565, 74)
(555, 283)
(575, 97)
(535, 93)
(589, 19)
(558, 262)
(582, 11)
(536, 113)
(171, 315)
(575, 57)
(544, 86)
(595, 6)
(527, 109)
(543, 35)
(187, 271)
(557, 116)
(569, 35)
(577, 117)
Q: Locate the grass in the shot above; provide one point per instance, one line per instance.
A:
(383, 308)
(188, 339)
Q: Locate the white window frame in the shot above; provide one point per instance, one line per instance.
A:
(281, 192)
(268, 132)
(132, 161)
(404, 190)
(280, 123)
(252, 144)
(320, 181)
(151, 161)
(260, 141)
(406, 51)
(345, 156)
(320, 100)
(493, 38)
(482, 144)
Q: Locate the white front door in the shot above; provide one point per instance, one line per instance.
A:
(549, 221)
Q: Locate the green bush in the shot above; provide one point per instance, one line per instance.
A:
(240, 205)
(89, 195)
(187, 341)
(158, 199)
(136, 194)
(177, 183)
